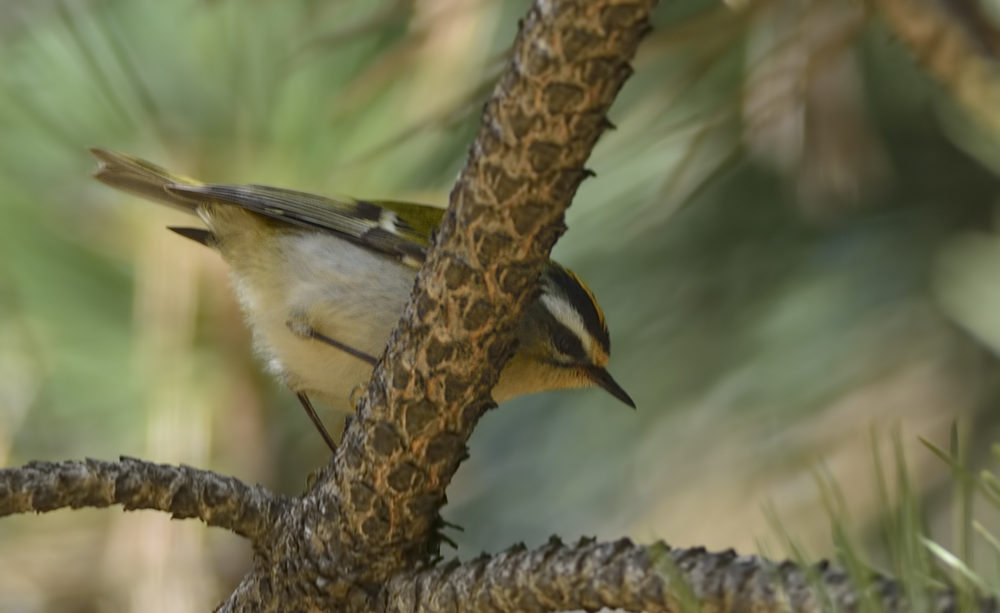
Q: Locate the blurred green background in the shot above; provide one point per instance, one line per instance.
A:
(792, 233)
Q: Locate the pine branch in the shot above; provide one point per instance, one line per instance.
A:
(374, 509)
(621, 575)
(182, 491)
(358, 539)
(429, 390)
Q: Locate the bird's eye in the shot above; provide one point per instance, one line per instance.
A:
(562, 343)
(567, 344)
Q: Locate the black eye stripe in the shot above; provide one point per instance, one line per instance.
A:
(567, 343)
(566, 284)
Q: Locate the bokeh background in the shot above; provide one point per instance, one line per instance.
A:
(792, 232)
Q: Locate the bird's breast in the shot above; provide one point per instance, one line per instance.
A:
(339, 289)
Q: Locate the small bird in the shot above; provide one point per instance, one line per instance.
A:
(323, 282)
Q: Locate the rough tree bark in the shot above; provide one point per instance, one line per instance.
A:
(364, 536)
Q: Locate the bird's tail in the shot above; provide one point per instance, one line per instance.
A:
(142, 178)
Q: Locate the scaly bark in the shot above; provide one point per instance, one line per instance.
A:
(621, 575)
(182, 491)
(547, 112)
(372, 513)
(362, 538)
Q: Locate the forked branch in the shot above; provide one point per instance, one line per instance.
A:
(357, 540)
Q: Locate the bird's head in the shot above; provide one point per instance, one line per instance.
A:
(564, 342)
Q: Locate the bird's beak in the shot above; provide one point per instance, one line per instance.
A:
(601, 377)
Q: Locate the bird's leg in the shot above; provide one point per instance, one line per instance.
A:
(300, 327)
(311, 412)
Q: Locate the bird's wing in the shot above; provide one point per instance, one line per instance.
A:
(399, 229)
